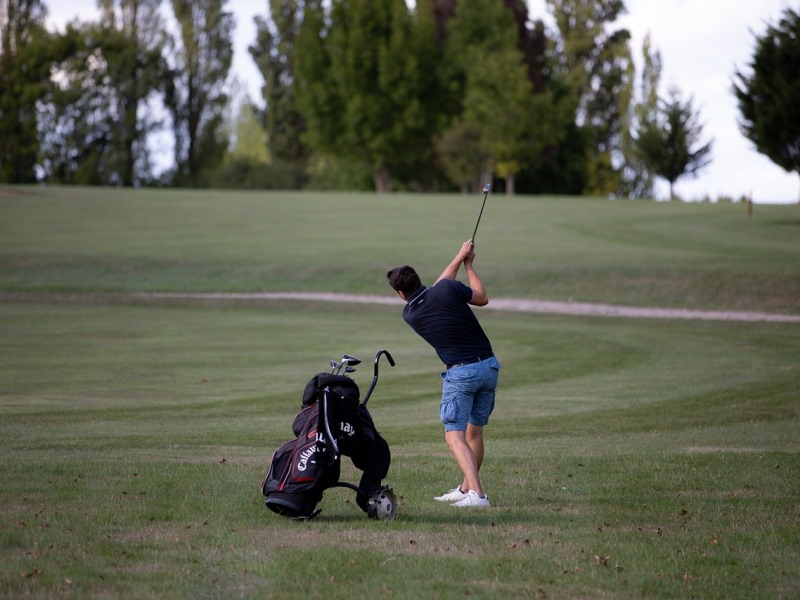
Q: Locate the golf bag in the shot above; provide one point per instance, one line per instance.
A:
(330, 424)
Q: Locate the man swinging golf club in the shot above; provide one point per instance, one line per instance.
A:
(441, 316)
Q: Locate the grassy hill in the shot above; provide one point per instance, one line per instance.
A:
(627, 458)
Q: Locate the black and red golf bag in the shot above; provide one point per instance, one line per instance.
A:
(332, 423)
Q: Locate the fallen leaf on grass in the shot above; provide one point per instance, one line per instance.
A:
(34, 573)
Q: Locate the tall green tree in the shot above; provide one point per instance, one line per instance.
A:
(637, 178)
(411, 79)
(769, 97)
(514, 122)
(596, 60)
(249, 133)
(77, 125)
(25, 61)
(274, 55)
(195, 93)
(464, 156)
(97, 117)
(366, 83)
(131, 38)
(670, 143)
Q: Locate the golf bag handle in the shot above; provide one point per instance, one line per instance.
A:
(331, 447)
(375, 378)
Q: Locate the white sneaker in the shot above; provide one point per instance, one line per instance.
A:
(452, 496)
(473, 499)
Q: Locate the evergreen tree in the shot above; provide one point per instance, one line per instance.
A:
(669, 143)
(274, 55)
(514, 124)
(637, 179)
(597, 64)
(364, 83)
(769, 98)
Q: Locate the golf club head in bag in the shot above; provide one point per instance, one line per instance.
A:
(349, 362)
(382, 504)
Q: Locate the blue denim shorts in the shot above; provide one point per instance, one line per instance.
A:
(468, 394)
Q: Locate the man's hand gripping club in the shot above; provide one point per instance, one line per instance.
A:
(466, 256)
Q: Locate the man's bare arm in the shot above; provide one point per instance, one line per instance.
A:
(479, 296)
(466, 256)
(451, 270)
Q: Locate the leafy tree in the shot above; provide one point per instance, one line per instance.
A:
(365, 84)
(131, 39)
(531, 42)
(274, 55)
(195, 93)
(249, 134)
(769, 98)
(25, 59)
(669, 143)
(411, 79)
(513, 122)
(76, 120)
(464, 156)
(596, 62)
(97, 118)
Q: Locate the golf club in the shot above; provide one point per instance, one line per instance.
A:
(348, 363)
(349, 359)
(486, 189)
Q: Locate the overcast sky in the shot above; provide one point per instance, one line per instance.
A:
(701, 43)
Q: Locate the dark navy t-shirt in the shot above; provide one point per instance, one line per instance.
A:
(441, 315)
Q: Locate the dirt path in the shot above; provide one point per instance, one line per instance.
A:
(507, 304)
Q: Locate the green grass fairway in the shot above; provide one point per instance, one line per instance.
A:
(627, 458)
(636, 253)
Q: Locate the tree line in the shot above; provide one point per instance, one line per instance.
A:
(357, 94)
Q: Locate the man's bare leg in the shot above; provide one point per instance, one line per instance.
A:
(475, 442)
(466, 459)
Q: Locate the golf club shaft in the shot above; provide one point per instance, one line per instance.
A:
(485, 193)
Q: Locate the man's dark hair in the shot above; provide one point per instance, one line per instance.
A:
(404, 279)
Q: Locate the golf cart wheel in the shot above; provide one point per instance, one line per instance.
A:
(382, 504)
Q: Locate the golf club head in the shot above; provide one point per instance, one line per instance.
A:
(349, 370)
(486, 189)
(349, 359)
(335, 366)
